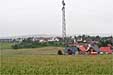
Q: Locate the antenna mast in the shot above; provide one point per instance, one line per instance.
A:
(63, 21)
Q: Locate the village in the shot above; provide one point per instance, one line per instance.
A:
(74, 45)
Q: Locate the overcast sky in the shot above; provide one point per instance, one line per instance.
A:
(22, 17)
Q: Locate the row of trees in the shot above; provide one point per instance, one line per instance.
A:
(104, 43)
(30, 44)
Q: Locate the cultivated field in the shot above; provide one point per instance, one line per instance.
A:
(44, 61)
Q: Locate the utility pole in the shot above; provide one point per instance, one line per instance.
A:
(63, 22)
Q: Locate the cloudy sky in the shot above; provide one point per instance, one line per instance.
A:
(24, 17)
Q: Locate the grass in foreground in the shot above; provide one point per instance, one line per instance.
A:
(56, 65)
(29, 62)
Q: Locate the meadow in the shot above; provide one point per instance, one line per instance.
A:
(45, 61)
(6, 45)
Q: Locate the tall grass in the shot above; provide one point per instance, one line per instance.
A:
(56, 65)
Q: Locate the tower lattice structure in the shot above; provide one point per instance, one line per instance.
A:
(63, 21)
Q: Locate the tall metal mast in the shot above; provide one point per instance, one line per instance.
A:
(63, 21)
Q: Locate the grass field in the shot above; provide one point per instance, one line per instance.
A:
(6, 45)
(44, 61)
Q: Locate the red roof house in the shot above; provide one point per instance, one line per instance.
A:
(82, 48)
(106, 49)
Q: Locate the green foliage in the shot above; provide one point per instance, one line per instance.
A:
(29, 44)
(103, 43)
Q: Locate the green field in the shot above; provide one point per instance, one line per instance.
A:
(6, 45)
(45, 61)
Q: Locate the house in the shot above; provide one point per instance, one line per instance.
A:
(89, 49)
(48, 39)
(41, 40)
(94, 50)
(106, 50)
(52, 39)
(82, 49)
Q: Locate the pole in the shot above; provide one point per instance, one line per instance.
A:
(63, 22)
(64, 27)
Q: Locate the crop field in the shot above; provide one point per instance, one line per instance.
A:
(45, 61)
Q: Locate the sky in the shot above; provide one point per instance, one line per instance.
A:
(26, 17)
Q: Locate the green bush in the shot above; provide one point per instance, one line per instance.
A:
(30, 44)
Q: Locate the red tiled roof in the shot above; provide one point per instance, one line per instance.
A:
(106, 49)
(82, 48)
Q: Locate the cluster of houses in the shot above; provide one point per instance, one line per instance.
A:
(33, 39)
(87, 49)
(46, 39)
(89, 45)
